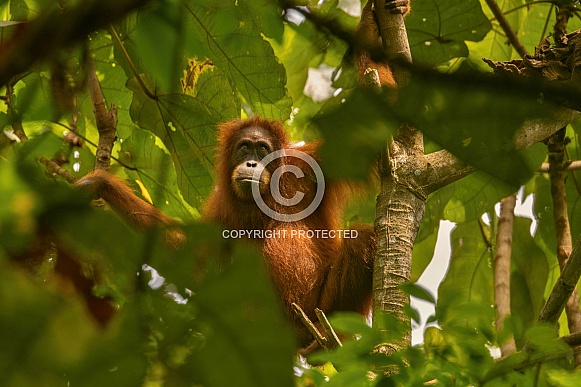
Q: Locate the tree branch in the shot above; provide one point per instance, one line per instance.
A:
(439, 163)
(332, 337)
(401, 202)
(55, 169)
(395, 41)
(562, 17)
(106, 121)
(443, 168)
(564, 287)
(556, 147)
(568, 166)
(55, 28)
(502, 269)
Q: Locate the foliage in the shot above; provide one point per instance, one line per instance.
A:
(175, 69)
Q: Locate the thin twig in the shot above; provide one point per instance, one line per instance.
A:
(310, 326)
(56, 169)
(572, 166)
(564, 287)
(331, 335)
(573, 174)
(15, 118)
(506, 27)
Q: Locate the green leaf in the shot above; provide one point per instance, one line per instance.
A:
(33, 101)
(468, 198)
(159, 40)
(153, 168)
(355, 124)
(425, 243)
(354, 352)
(437, 29)
(412, 313)
(563, 378)
(19, 10)
(350, 323)
(544, 337)
(528, 275)
(187, 129)
(417, 291)
(468, 283)
(297, 61)
(242, 325)
(229, 35)
(267, 17)
(475, 122)
(45, 144)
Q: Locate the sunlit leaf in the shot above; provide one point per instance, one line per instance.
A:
(529, 275)
(229, 35)
(152, 167)
(187, 129)
(468, 283)
(418, 291)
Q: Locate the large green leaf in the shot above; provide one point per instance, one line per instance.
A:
(187, 128)
(353, 124)
(468, 283)
(232, 318)
(112, 79)
(229, 34)
(437, 29)
(476, 122)
(159, 41)
(468, 198)
(528, 277)
(153, 169)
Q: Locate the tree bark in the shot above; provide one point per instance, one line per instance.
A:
(564, 287)
(556, 148)
(502, 269)
(401, 202)
(106, 121)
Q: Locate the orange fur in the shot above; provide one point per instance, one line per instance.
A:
(123, 200)
(368, 32)
(327, 273)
